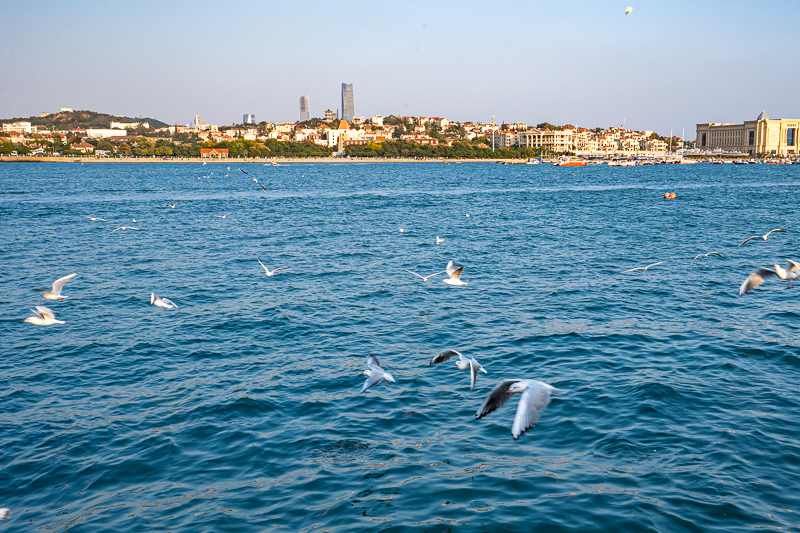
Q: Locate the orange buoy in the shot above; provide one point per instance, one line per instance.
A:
(672, 196)
(666, 195)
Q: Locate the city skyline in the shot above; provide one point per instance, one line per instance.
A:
(662, 67)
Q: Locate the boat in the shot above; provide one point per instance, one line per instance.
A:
(570, 163)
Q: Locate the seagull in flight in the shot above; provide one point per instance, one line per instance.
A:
(424, 278)
(55, 292)
(268, 272)
(764, 237)
(643, 269)
(259, 183)
(462, 364)
(438, 240)
(163, 303)
(124, 228)
(173, 206)
(760, 275)
(95, 219)
(44, 317)
(222, 216)
(703, 256)
(375, 373)
(455, 274)
(535, 397)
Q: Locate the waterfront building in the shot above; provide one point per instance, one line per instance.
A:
(552, 140)
(760, 136)
(305, 108)
(214, 153)
(248, 119)
(348, 108)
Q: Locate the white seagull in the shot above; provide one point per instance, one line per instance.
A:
(173, 206)
(259, 183)
(222, 216)
(455, 274)
(643, 269)
(703, 256)
(462, 364)
(267, 271)
(123, 228)
(375, 373)
(535, 397)
(44, 317)
(5, 513)
(163, 303)
(424, 278)
(760, 275)
(95, 219)
(764, 237)
(55, 292)
(438, 240)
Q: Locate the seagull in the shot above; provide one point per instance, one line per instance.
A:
(455, 274)
(55, 293)
(375, 373)
(760, 275)
(703, 256)
(222, 216)
(163, 303)
(424, 278)
(401, 230)
(95, 219)
(764, 237)
(438, 240)
(643, 269)
(259, 183)
(124, 227)
(204, 163)
(270, 273)
(535, 397)
(5, 513)
(463, 364)
(467, 215)
(44, 317)
(173, 206)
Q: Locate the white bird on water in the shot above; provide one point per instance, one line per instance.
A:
(124, 228)
(438, 240)
(760, 275)
(462, 364)
(268, 271)
(44, 317)
(55, 292)
(222, 216)
(703, 256)
(764, 237)
(424, 278)
(375, 373)
(535, 397)
(95, 219)
(455, 274)
(643, 269)
(163, 303)
(5, 513)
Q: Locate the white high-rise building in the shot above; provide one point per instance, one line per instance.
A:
(248, 119)
(348, 108)
(305, 108)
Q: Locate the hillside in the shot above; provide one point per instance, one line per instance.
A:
(82, 119)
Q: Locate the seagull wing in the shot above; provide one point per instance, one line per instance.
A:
(444, 356)
(413, 273)
(259, 184)
(756, 278)
(533, 401)
(245, 172)
(697, 257)
(434, 274)
(654, 264)
(474, 368)
(372, 379)
(280, 268)
(633, 269)
(750, 239)
(793, 267)
(457, 273)
(167, 301)
(37, 313)
(262, 266)
(451, 267)
(44, 312)
(716, 253)
(496, 399)
(57, 284)
(776, 231)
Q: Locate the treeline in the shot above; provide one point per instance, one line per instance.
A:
(69, 120)
(459, 150)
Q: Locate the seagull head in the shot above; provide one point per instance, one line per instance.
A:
(517, 387)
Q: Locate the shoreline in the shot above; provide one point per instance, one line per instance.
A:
(265, 160)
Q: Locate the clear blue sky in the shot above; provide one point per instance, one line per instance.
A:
(667, 65)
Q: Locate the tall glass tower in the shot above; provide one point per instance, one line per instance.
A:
(305, 108)
(348, 111)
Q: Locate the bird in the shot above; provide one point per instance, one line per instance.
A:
(703, 256)
(173, 206)
(401, 230)
(268, 272)
(467, 215)
(95, 219)
(163, 303)
(375, 373)
(222, 216)
(760, 275)
(643, 269)
(55, 292)
(204, 163)
(259, 183)
(764, 237)
(123, 228)
(462, 364)
(133, 220)
(535, 397)
(438, 240)
(628, 10)
(424, 278)
(5, 514)
(44, 317)
(455, 274)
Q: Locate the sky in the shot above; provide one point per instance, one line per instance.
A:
(668, 65)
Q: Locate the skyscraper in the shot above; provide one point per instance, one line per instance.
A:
(305, 108)
(248, 119)
(348, 110)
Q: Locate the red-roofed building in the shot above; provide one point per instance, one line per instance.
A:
(214, 153)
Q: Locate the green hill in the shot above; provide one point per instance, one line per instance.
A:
(82, 119)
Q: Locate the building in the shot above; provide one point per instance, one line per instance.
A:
(248, 119)
(331, 115)
(101, 133)
(18, 127)
(552, 140)
(348, 108)
(128, 125)
(214, 153)
(305, 108)
(760, 136)
(86, 148)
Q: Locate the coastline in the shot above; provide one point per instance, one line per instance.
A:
(265, 160)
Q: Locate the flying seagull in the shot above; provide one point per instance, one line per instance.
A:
(764, 237)
(4, 514)
(643, 269)
(535, 397)
(44, 317)
(462, 364)
(455, 274)
(438, 240)
(95, 219)
(222, 216)
(269, 272)
(173, 206)
(163, 303)
(55, 292)
(424, 278)
(259, 183)
(703, 256)
(123, 228)
(760, 275)
(375, 373)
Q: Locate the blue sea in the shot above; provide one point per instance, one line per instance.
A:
(241, 411)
